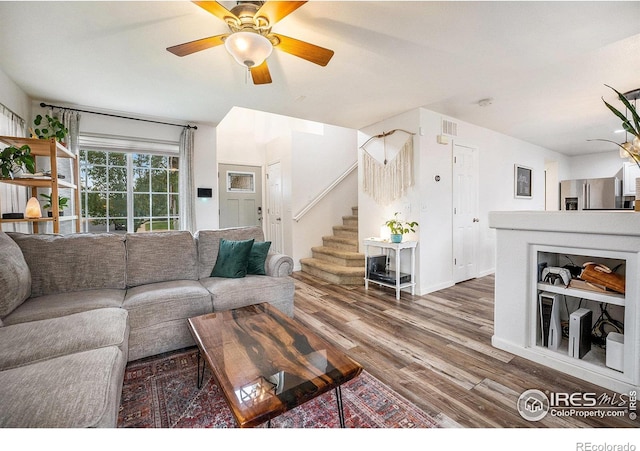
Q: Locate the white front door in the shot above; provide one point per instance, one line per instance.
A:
(240, 191)
(275, 231)
(465, 212)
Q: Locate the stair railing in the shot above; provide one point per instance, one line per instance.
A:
(324, 192)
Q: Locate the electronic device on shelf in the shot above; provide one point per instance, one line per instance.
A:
(556, 276)
(580, 333)
(550, 325)
(377, 270)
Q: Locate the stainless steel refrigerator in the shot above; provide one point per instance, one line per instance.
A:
(591, 194)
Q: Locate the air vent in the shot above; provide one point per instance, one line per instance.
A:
(449, 128)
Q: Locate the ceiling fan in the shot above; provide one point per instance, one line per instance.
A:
(250, 40)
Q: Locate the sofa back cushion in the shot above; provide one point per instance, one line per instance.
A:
(209, 244)
(76, 262)
(161, 256)
(15, 277)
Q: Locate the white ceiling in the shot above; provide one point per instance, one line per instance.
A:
(544, 64)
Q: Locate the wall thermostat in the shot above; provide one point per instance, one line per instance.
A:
(205, 192)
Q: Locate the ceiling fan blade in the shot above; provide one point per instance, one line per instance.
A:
(275, 11)
(304, 50)
(195, 46)
(260, 74)
(217, 10)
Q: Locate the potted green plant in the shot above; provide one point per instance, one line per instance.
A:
(62, 203)
(54, 128)
(630, 125)
(397, 227)
(15, 159)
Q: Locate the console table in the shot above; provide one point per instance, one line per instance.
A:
(386, 247)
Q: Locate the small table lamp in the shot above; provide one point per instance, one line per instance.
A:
(32, 211)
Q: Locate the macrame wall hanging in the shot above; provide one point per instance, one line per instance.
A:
(388, 180)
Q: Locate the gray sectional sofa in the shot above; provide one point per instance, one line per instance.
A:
(74, 309)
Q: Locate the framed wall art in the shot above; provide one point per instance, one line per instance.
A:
(522, 182)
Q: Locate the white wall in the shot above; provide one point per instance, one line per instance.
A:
(14, 98)
(318, 159)
(206, 176)
(430, 201)
(606, 164)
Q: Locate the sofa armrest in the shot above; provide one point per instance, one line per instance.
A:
(278, 265)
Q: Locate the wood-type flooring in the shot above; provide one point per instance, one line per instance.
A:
(435, 350)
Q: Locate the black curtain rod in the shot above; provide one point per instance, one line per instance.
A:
(115, 115)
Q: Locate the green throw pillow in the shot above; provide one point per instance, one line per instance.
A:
(233, 257)
(257, 257)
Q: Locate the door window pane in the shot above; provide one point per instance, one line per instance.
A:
(240, 182)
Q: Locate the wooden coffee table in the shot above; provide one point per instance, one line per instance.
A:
(266, 363)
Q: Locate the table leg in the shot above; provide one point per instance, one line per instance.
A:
(340, 408)
(200, 373)
(397, 274)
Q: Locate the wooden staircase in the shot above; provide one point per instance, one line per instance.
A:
(338, 260)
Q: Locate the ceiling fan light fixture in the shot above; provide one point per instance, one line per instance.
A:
(249, 49)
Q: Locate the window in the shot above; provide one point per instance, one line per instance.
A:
(128, 191)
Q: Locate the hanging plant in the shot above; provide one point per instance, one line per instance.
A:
(54, 128)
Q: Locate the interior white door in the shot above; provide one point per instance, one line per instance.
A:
(240, 192)
(465, 212)
(275, 231)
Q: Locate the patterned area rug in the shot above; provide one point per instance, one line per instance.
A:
(161, 392)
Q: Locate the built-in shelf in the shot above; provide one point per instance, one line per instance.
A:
(609, 298)
(529, 241)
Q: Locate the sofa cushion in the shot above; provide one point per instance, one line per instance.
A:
(35, 341)
(161, 256)
(258, 257)
(56, 305)
(229, 294)
(73, 391)
(208, 242)
(15, 277)
(76, 262)
(165, 301)
(233, 258)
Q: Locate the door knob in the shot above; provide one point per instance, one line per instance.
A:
(476, 220)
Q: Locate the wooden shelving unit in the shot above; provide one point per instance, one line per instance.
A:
(53, 150)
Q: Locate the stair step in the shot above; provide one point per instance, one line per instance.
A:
(341, 275)
(350, 220)
(346, 231)
(338, 256)
(354, 211)
(340, 242)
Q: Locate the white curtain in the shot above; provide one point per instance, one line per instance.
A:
(187, 190)
(12, 198)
